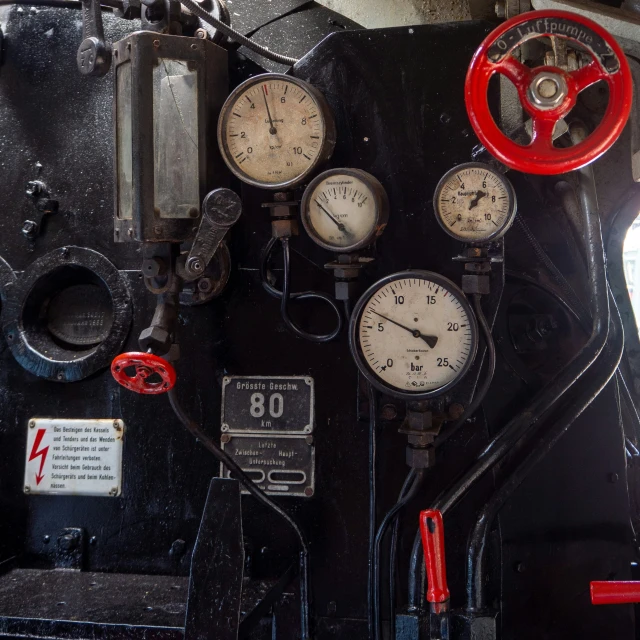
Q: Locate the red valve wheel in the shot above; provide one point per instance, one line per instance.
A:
(145, 366)
(548, 93)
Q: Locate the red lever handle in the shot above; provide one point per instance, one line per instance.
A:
(432, 531)
(615, 592)
(151, 374)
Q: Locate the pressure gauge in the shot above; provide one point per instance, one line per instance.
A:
(344, 209)
(274, 130)
(413, 335)
(474, 203)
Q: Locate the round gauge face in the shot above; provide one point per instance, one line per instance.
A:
(344, 209)
(274, 130)
(473, 203)
(413, 334)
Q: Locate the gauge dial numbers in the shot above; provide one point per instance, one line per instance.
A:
(344, 209)
(274, 130)
(413, 334)
(474, 203)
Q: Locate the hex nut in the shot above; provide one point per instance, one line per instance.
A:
(421, 458)
(155, 338)
(420, 420)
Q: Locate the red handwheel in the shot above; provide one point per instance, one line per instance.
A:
(152, 374)
(548, 93)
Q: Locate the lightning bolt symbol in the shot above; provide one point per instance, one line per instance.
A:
(36, 453)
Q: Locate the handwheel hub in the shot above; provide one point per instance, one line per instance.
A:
(547, 90)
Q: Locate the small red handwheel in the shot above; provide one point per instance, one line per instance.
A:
(153, 374)
(548, 93)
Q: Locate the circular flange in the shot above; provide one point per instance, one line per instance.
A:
(27, 315)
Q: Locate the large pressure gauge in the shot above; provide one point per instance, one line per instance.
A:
(274, 130)
(473, 203)
(344, 209)
(413, 335)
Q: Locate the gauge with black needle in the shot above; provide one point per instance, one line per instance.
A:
(344, 210)
(432, 341)
(478, 197)
(272, 129)
(338, 224)
(438, 343)
(474, 203)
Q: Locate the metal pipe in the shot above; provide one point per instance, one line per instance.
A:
(607, 364)
(512, 437)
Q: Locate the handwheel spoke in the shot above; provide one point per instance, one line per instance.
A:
(542, 135)
(515, 71)
(588, 75)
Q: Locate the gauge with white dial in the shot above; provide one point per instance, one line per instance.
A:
(413, 334)
(344, 209)
(473, 203)
(274, 130)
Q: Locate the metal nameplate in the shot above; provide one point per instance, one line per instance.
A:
(274, 404)
(278, 464)
(74, 457)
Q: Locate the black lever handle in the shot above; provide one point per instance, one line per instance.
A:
(94, 54)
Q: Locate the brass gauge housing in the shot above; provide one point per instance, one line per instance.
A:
(275, 130)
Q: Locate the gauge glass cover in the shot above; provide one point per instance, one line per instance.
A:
(414, 334)
(274, 130)
(474, 203)
(344, 209)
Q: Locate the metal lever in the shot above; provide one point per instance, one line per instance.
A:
(94, 55)
(615, 592)
(432, 532)
(221, 209)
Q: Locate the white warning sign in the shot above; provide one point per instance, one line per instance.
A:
(74, 457)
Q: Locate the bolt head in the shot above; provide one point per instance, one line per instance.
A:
(195, 265)
(35, 188)
(29, 228)
(202, 33)
(455, 410)
(389, 412)
(225, 437)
